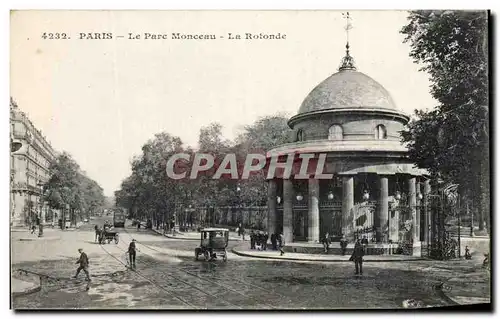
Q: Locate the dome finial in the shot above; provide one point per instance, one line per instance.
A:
(347, 61)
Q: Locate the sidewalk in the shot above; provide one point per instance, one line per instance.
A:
(193, 235)
(21, 287)
(244, 250)
(468, 289)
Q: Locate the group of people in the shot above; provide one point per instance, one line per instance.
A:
(258, 240)
(83, 260)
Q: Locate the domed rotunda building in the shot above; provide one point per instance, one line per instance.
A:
(375, 192)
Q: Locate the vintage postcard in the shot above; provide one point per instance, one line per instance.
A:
(249, 160)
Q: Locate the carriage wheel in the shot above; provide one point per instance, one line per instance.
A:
(207, 255)
(116, 239)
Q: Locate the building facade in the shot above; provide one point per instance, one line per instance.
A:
(375, 192)
(29, 170)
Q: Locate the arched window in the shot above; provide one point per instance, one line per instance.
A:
(335, 132)
(381, 132)
(300, 135)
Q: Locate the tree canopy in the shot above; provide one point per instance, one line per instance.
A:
(452, 140)
(151, 191)
(68, 185)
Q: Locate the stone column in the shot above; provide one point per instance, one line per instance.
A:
(420, 204)
(288, 193)
(427, 225)
(347, 203)
(271, 206)
(382, 209)
(313, 213)
(413, 203)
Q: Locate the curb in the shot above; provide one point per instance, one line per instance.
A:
(239, 253)
(452, 299)
(28, 291)
(39, 238)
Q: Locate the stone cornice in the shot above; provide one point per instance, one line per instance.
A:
(342, 146)
(376, 112)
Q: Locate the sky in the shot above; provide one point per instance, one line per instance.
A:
(101, 100)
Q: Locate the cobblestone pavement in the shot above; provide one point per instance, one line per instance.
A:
(168, 277)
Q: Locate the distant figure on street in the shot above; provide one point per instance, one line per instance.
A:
(131, 253)
(84, 264)
(252, 239)
(326, 242)
(138, 224)
(357, 257)
(33, 228)
(364, 241)
(343, 244)
(274, 241)
(239, 230)
(281, 242)
(468, 256)
(97, 232)
(266, 239)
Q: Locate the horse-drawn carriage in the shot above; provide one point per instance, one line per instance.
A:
(108, 235)
(213, 242)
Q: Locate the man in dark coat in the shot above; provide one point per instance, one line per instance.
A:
(252, 239)
(281, 242)
(264, 242)
(326, 242)
(357, 257)
(274, 241)
(131, 253)
(96, 228)
(343, 244)
(84, 264)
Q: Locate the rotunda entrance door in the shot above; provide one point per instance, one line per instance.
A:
(300, 224)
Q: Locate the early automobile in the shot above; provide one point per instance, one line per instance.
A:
(108, 235)
(213, 243)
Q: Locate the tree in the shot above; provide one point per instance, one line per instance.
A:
(68, 185)
(452, 141)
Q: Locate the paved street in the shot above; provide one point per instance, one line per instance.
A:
(167, 276)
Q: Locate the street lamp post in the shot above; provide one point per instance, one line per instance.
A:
(238, 190)
(40, 215)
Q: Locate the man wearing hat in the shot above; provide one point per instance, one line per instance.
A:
(131, 253)
(84, 264)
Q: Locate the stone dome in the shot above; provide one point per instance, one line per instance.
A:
(347, 89)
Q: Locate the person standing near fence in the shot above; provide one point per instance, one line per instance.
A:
(357, 257)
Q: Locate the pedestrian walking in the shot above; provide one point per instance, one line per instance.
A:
(364, 241)
(326, 242)
(265, 240)
(357, 257)
(131, 253)
(96, 228)
(239, 229)
(281, 242)
(84, 264)
(252, 239)
(343, 244)
(274, 241)
(468, 256)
